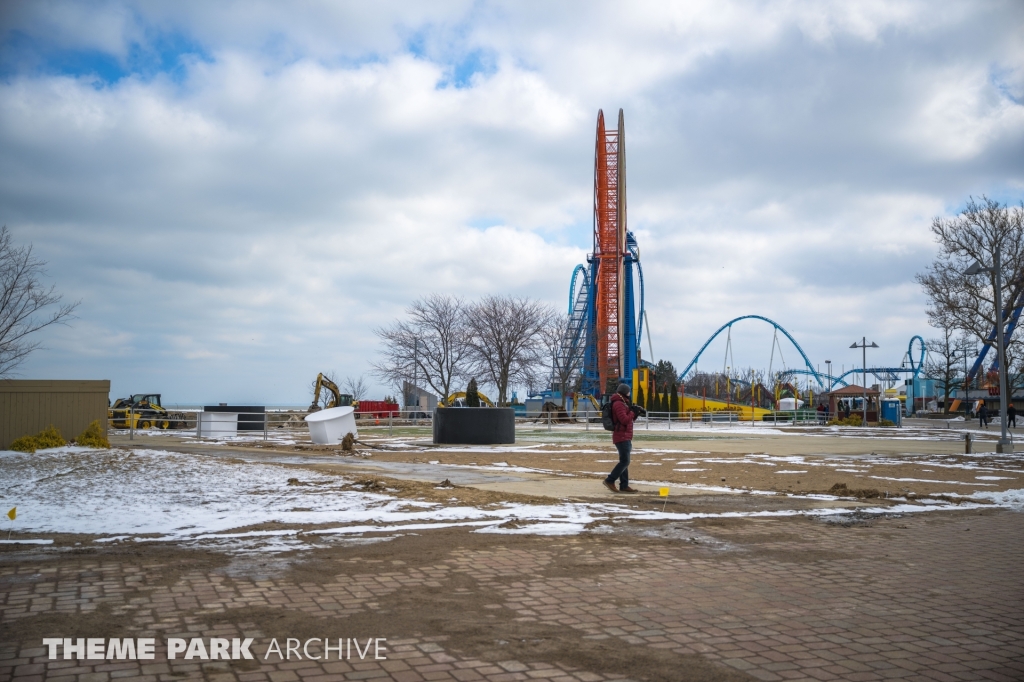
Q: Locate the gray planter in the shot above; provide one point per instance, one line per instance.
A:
(474, 425)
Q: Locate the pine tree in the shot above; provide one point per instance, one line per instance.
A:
(673, 398)
(472, 394)
(640, 397)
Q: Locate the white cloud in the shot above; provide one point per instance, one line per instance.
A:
(245, 219)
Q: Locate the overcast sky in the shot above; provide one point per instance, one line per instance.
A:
(240, 192)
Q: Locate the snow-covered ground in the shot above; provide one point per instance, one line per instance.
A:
(120, 495)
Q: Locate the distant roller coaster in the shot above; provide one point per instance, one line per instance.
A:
(881, 373)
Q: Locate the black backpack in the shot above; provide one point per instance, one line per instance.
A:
(606, 417)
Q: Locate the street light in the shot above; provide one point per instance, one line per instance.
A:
(997, 273)
(964, 352)
(828, 365)
(863, 345)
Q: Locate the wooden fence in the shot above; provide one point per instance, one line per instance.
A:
(29, 406)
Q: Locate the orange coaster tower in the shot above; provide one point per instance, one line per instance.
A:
(609, 248)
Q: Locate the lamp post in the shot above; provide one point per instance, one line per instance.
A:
(996, 271)
(828, 372)
(864, 345)
(965, 352)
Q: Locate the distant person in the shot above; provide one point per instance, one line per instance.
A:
(623, 416)
(1011, 416)
(983, 416)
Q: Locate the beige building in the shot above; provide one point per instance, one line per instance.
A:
(29, 406)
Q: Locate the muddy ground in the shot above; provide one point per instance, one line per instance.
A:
(897, 592)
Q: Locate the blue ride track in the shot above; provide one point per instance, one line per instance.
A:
(915, 368)
(779, 327)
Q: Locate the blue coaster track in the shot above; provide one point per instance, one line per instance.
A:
(577, 351)
(882, 373)
(810, 368)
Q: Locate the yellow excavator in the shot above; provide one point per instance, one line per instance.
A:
(461, 395)
(337, 399)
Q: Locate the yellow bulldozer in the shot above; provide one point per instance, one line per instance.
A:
(139, 411)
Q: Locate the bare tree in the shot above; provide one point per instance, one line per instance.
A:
(506, 336)
(22, 300)
(564, 358)
(430, 346)
(945, 355)
(356, 387)
(957, 301)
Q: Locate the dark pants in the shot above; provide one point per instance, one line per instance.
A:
(621, 470)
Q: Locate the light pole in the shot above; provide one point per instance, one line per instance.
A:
(996, 271)
(864, 345)
(965, 352)
(828, 372)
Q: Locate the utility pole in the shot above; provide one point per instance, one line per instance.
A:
(996, 271)
(863, 345)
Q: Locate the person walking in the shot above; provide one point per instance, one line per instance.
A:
(623, 416)
(983, 416)
(1011, 416)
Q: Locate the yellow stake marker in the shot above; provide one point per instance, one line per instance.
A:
(13, 514)
(663, 492)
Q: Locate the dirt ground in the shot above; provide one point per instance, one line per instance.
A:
(919, 462)
(739, 585)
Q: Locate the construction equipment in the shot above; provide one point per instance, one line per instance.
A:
(461, 396)
(337, 399)
(140, 411)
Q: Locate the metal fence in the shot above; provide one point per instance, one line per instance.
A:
(261, 425)
(682, 420)
(256, 424)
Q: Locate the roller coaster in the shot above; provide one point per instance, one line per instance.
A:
(601, 339)
(827, 382)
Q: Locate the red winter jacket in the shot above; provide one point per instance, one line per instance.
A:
(623, 418)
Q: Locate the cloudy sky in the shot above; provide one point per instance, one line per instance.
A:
(239, 192)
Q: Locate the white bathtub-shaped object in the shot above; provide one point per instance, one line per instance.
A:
(217, 425)
(328, 427)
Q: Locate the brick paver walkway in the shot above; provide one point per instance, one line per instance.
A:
(931, 597)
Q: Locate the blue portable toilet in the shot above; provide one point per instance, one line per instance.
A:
(892, 410)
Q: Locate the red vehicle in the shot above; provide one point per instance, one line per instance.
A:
(376, 408)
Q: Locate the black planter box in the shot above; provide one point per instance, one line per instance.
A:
(474, 425)
(250, 417)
